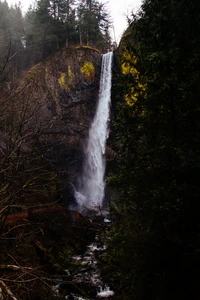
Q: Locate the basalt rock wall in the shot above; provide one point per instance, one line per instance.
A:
(59, 97)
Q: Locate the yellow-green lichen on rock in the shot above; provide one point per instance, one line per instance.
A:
(88, 70)
(62, 82)
(70, 74)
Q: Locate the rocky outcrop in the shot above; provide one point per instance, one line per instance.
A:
(59, 98)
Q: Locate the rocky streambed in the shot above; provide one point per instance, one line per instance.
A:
(55, 252)
(86, 282)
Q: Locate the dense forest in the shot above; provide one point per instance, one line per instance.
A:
(50, 26)
(153, 242)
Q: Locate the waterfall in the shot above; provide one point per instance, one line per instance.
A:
(91, 189)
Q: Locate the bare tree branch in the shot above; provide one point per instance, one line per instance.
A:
(7, 289)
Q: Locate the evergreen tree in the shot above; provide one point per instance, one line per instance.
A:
(93, 23)
(49, 27)
(4, 27)
(11, 37)
(154, 250)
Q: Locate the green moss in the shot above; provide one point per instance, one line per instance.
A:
(70, 74)
(33, 72)
(128, 68)
(87, 47)
(62, 83)
(88, 70)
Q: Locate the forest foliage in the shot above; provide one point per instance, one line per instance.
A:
(49, 26)
(154, 242)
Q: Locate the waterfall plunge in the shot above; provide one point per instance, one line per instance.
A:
(91, 189)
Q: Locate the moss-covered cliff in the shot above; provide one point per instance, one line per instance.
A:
(59, 96)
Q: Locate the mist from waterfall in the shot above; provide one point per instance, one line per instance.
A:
(91, 190)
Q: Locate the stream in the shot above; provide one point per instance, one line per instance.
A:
(85, 281)
(90, 275)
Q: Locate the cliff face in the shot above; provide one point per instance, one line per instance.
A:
(60, 96)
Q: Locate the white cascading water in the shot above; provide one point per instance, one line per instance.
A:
(91, 189)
